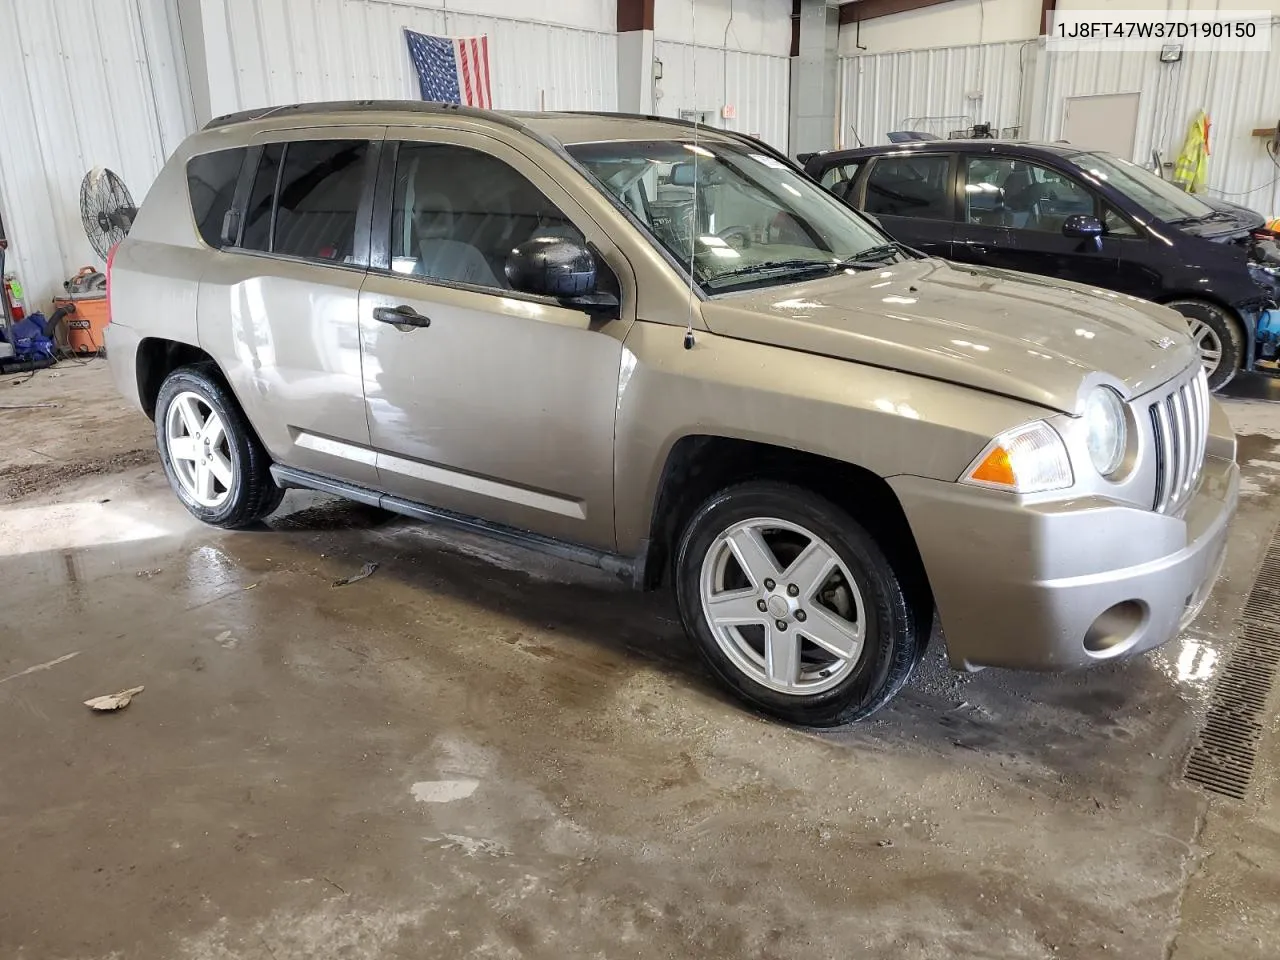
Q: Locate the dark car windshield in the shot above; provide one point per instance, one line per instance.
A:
(1159, 197)
(745, 218)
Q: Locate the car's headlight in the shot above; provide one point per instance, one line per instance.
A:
(1028, 459)
(1107, 433)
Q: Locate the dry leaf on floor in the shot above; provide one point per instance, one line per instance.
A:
(114, 701)
(365, 571)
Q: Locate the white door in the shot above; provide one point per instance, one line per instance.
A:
(1105, 122)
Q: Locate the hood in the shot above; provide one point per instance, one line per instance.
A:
(1031, 338)
(1228, 220)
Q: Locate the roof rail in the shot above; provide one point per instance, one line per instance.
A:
(327, 108)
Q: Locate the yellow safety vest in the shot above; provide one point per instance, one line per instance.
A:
(1192, 169)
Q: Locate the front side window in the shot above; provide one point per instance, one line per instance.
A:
(305, 199)
(211, 183)
(1007, 192)
(910, 186)
(457, 213)
(1159, 197)
(742, 217)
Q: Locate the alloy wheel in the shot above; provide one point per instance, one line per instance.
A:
(782, 606)
(1207, 342)
(199, 451)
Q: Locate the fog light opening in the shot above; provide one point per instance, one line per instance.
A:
(1116, 628)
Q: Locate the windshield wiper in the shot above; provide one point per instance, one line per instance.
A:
(869, 258)
(769, 266)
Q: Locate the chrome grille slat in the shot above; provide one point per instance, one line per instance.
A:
(1180, 420)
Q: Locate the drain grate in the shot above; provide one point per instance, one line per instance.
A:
(1223, 756)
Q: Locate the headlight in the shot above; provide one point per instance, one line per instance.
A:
(1107, 433)
(1028, 459)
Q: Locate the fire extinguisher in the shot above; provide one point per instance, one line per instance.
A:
(13, 293)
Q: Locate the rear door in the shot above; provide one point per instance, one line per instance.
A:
(498, 404)
(278, 303)
(913, 196)
(1012, 215)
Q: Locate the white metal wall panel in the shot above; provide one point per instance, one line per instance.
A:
(1237, 90)
(935, 91)
(83, 83)
(757, 85)
(292, 51)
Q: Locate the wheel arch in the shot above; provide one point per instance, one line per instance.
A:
(698, 465)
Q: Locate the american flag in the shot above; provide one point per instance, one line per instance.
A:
(452, 69)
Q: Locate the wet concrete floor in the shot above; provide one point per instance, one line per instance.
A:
(477, 752)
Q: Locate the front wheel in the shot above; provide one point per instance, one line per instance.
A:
(1218, 337)
(793, 606)
(214, 461)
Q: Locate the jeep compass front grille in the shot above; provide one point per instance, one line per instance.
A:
(1181, 423)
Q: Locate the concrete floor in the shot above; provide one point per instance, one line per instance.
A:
(480, 753)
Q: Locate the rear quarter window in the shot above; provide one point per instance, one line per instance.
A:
(211, 184)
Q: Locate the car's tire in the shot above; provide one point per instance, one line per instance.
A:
(1218, 337)
(803, 534)
(213, 459)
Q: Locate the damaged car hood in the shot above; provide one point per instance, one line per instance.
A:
(1032, 338)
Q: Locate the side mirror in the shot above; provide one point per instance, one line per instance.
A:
(552, 267)
(1082, 227)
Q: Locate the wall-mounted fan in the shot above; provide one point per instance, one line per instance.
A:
(106, 210)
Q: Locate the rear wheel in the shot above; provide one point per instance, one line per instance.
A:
(1218, 337)
(214, 462)
(794, 606)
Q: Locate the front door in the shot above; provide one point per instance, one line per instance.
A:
(1012, 217)
(912, 195)
(482, 399)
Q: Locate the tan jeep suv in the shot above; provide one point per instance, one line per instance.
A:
(668, 353)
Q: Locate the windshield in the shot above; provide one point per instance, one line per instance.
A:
(1159, 197)
(745, 218)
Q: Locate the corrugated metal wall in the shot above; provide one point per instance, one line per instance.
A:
(1237, 90)
(930, 90)
(935, 91)
(289, 51)
(756, 84)
(83, 83)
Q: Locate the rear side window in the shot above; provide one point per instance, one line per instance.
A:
(320, 189)
(211, 182)
(305, 199)
(911, 186)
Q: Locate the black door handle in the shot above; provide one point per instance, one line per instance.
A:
(401, 316)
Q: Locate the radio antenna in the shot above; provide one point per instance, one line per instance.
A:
(693, 230)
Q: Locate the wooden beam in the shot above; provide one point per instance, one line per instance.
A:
(1046, 11)
(864, 10)
(635, 15)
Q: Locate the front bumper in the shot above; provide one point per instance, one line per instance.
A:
(1066, 583)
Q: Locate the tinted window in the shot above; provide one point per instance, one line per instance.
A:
(837, 178)
(457, 213)
(320, 189)
(1004, 192)
(211, 182)
(910, 187)
(257, 217)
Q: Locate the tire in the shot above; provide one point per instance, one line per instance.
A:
(227, 483)
(1215, 331)
(711, 580)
